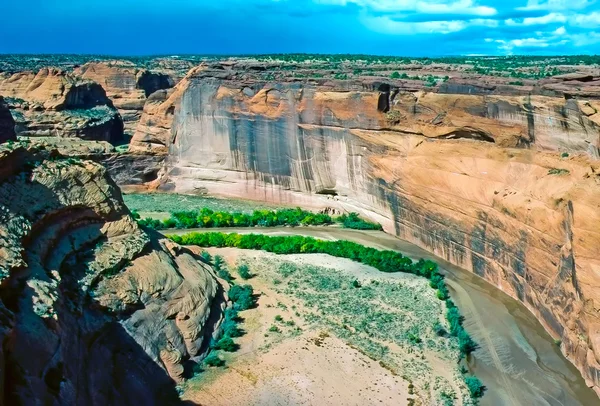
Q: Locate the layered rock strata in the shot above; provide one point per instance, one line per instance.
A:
(127, 86)
(55, 103)
(502, 182)
(93, 310)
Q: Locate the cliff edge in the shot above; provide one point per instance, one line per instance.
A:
(93, 310)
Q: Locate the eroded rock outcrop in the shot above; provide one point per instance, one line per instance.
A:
(127, 86)
(93, 310)
(55, 103)
(504, 184)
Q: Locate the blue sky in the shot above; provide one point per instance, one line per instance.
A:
(388, 27)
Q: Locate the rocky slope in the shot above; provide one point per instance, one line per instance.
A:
(52, 102)
(127, 86)
(93, 310)
(500, 180)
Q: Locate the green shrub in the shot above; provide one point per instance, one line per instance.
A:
(353, 221)
(242, 297)
(226, 344)
(207, 218)
(213, 360)
(244, 272)
(274, 329)
(558, 171)
(439, 329)
(230, 326)
(475, 386)
(206, 256)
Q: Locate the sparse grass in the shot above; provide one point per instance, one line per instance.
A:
(558, 171)
(370, 318)
(169, 203)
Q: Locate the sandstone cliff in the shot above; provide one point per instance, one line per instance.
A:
(500, 180)
(7, 123)
(127, 86)
(93, 310)
(52, 102)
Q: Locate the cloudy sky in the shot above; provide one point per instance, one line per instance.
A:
(386, 27)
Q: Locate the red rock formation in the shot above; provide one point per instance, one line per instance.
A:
(55, 103)
(495, 180)
(127, 86)
(93, 310)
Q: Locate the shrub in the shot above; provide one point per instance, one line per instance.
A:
(226, 344)
(242, 297)
(475, 386)
(230, 324)
(244, 272)
(353, 221)
(395, 75)
(558, 171)
(206, 218)
(465, 343)
(213, 360)
(206, 256)
(439, 329)
(274, 329)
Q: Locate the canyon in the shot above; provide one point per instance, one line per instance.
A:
(499, 183)
(498, 178)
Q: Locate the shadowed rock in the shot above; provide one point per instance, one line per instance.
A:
(93, 310)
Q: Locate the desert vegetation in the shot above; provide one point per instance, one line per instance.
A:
(385, 261)
(242, 298)
(207, 218)
(170, 202)
(393, 320)
(342, 66)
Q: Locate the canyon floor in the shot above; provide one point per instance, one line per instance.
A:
(517, 359)
(315, 339)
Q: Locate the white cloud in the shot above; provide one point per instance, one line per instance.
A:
(557, 5)
(591, 20)
(464, 7)
(547, 19)
(590, 38)
(561, 23)
(388, 26)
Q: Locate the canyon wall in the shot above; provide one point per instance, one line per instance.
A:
(504, 182)
(54, 103)
(127, 86)
(93, 310)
